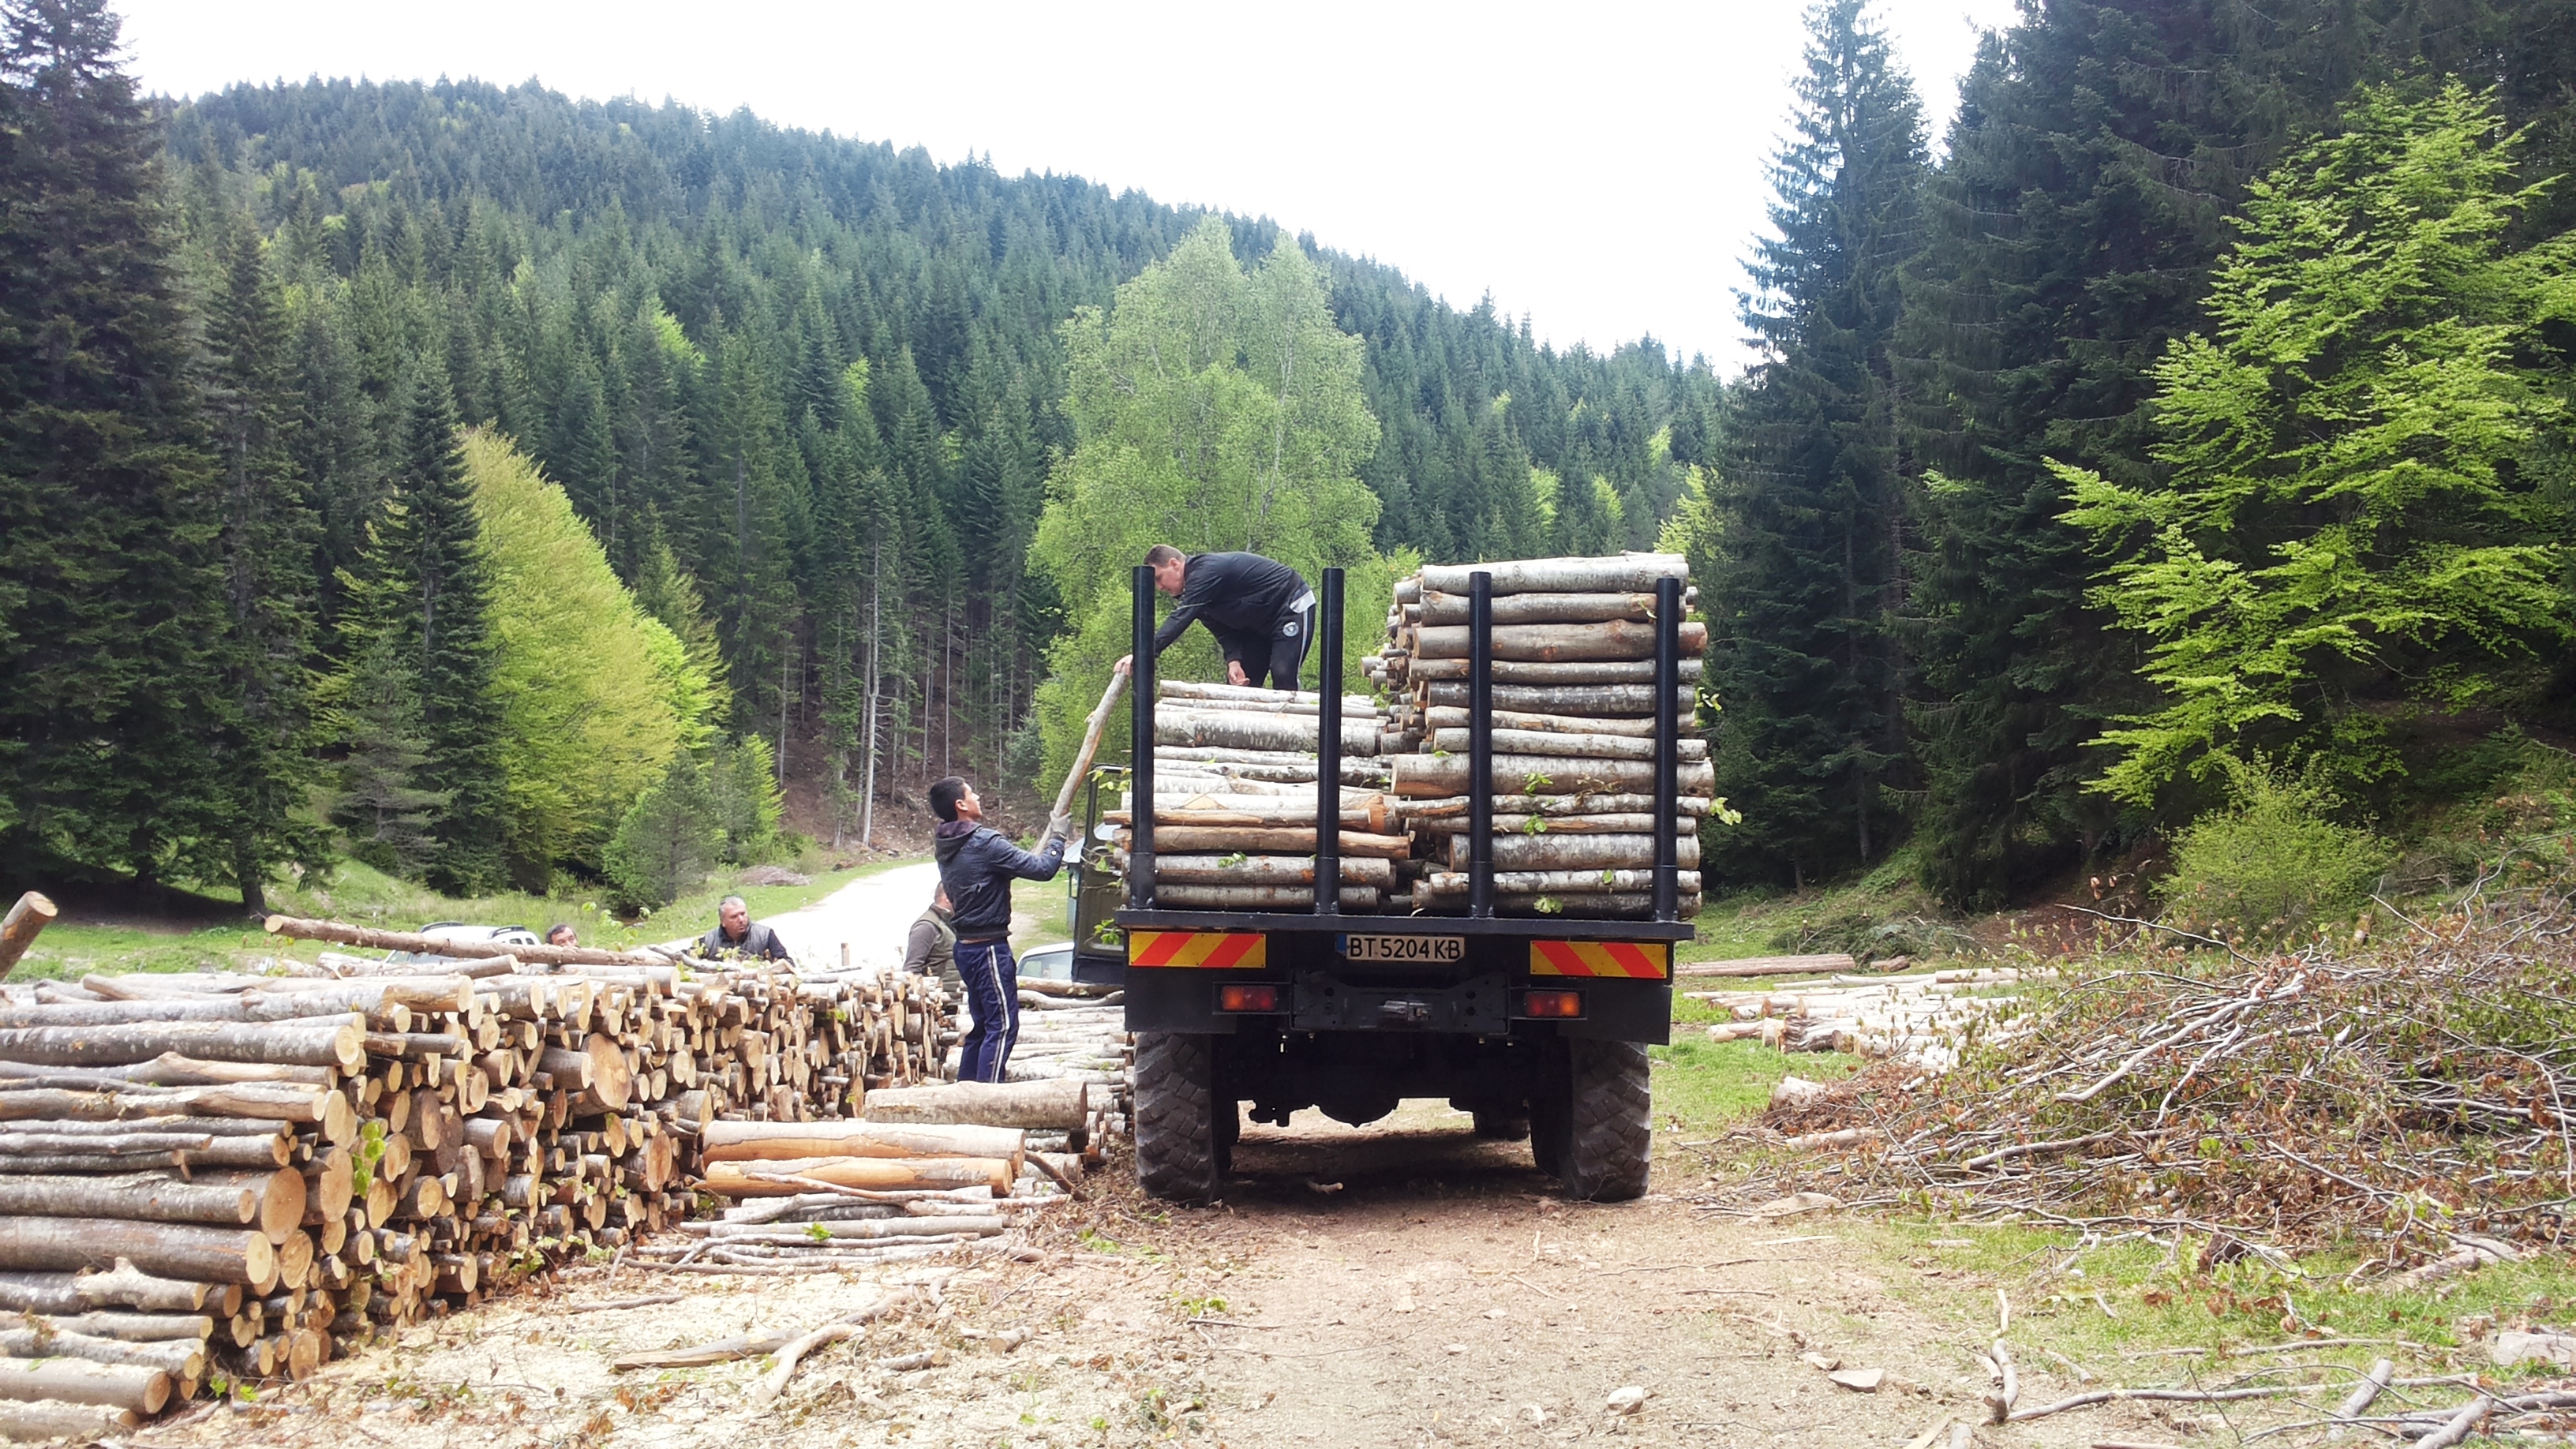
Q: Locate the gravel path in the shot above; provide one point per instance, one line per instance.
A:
(869, 915)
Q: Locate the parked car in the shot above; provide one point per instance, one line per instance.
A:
(460, 931)
(1047, 963)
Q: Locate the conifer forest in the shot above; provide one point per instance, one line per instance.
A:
(472, 480)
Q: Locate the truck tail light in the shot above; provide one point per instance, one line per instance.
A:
(1247, 996)
(1561, 1005)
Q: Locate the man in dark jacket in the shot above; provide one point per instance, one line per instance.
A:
(1259, 609)
(736, 934)
(976, 868)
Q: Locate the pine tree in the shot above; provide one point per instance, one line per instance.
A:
(111, 599)
(389, 816)
(1811, 512)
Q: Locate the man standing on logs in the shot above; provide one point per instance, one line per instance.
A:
(976, 868)
(1260, 610)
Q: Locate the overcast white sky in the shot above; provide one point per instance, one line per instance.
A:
(1598, 166)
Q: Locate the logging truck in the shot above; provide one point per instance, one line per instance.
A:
(1536, 1024)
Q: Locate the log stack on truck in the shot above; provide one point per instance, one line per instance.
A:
(1535, 810)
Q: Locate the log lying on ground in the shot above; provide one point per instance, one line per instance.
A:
(1037, 1106)
(274, 1204)
(773, 1141)
(412, 943)
(1562, 882)
(1559, 643)
(181, 1358)
(1230, 840)
(1770, 966)
(1600, 672)
(1250, 730)
(74, 1381)
(54, 1419)
(723, 1350)
(1576, 852)
(1594, 701)
(1624, 573)
(1579, 746)
(1592, 608)
(798, 1175)
(1438, 775)
(1266, 870)
(1259, 898)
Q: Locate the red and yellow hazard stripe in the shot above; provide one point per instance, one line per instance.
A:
(1209, 950)
(1635, 960)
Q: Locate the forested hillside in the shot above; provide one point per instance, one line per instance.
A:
(2197, 419)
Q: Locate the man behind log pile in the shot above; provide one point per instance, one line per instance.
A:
(976, 868)
(1260, 610)
(737, 934)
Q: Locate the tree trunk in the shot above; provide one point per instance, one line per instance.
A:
(777, 1141)
(136, 1327)
(1580, 746)
(1053, 1106)
(1436, 775)
(1603, 672)
(1625, 573)
(1254, 730)
(177, 1357)
(1266, 870)
(1194, 695)
(1612, 907)
(778, 1179)
(1090, 742)
(170, 1069)
(273, 1202)
(122, 1286)
(74, 1381)
(1561, 882)
(1575, 852)
(18, 929)
(213, 1255)
(1598, 608)
(1550, 806)
(1613, 701)
(1359, 811)
(1259, 898)
(1636, 824)
(1458, 717)
(1558, 643)
(419, 945)
(55, 1419)
(339, 1045)
(1228, 840)
(284, 1103)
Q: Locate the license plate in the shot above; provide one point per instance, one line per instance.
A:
(1404, 948)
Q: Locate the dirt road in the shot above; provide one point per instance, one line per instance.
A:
(1406, 1284)
(869, 915)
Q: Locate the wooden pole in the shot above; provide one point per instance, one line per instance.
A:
(1090, 743)
(18, 929)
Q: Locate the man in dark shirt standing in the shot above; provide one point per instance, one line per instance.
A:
(1260, 610)
(976, 868)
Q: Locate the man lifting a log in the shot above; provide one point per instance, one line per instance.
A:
(1260, 610)
(976, 868)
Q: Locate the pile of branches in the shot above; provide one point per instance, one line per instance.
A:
(2417, 1096)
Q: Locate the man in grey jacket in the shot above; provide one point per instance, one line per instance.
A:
(976, 868)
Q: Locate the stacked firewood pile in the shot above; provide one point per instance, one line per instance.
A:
(1235, 787)
(244, 1176)
(1924, 1020)
(1072, 1037)
(1574, 734)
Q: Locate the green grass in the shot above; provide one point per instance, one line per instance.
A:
(1048, 905)
(359, 894)
(1704, 1086)
(1766, 922)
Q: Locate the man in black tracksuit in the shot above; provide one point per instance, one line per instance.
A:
(1260, 610)
(976, 867)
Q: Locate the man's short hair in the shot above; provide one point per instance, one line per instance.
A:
(736, 901)
(1161, 554)
(944, 796)
(559, 928)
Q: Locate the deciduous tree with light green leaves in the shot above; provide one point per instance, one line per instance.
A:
(2358, 527)
(1214, 410)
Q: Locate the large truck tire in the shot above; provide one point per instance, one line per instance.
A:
(1606, 1136)
(1178, 1147)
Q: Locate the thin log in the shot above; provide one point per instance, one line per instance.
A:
(2365, 1392)
(31, 914)
(1252, 730)
(75, 1381)
(1038, 1106)
(649, 1300)
(1579, 608)
(1198, 694)
(135, 1154)
(781, 1141)
(282, 1102)
(445, 990)
(1259, 898)
(1090, 742)
(1266, 870)
(1445, 717)
(1442, 775)
(1562, 882)
(135, 1327)
(412, 943)
(1575, 852)
(273, 1203)
(123, 1286)
(1230, 840)
(723, 1350)
(1634, 672)
(1551, 807)
(1546, 825)
(1613, 907)
(773, 1383)
(1558, 643)
(1770, 966)
(824, 1232)
(1580, 746)
(776, 1179)
(177, 1250)
(1590, 701)
(1623, 573)
(54, 1419)
(170, 1069)
(338, 1044)
(185, 1358)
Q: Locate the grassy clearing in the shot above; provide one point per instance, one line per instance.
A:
(354, 892)
(1048, 907)
(1703, 1086)
(1838, 918)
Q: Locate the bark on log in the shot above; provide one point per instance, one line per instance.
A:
(1193, 694)
(1585, 608)
(1259, 898)
(1551, 807)
(798, 1175)
(418, 945)
(181, 1358)
(1558, 643)
(1250, 730)
(1575, 852)
(723, 1350)
(1547, 824)
(175, 1250)
(1090, 741)
(1770, 966)
(273, 1203)
(1582, 746)
(54, 1419)
(135, 1327)
(1192, 839)
(286, 1103)
(1569, 907)
(1443, 717)
(1625, 573)
(1534, 673)
(1266, 870)
(31, 914)
(340, 1044)
(243, 1006)
(1438, 775)
(131, 1155)
(780, 1141)
(1562, 882)
(170, 1069)
(449, 989)
(1366, 812)
(72, 1381)
(1590, 701)
(1037, 1106)
(122, 1286)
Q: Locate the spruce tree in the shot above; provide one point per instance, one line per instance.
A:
(111, 600)
(1811, 514)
